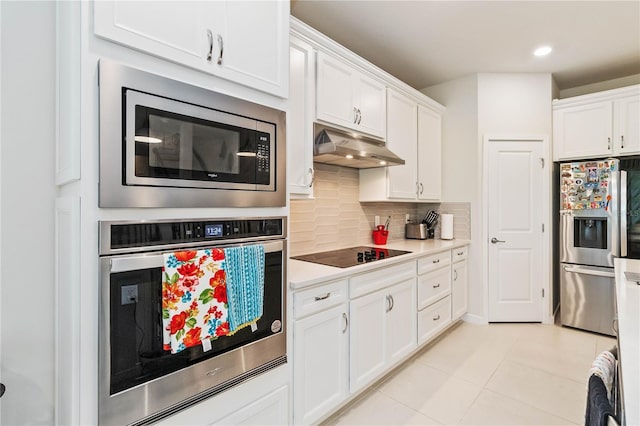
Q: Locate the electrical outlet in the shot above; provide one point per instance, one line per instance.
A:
(407, 218)
(376, 221)
(129, 294)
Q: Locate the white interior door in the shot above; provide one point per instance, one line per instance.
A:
(515, 206)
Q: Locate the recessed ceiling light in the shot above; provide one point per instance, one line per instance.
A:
(542, 51)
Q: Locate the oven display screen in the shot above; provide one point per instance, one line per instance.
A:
(213, 230)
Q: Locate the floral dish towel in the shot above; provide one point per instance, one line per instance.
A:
(194, 298)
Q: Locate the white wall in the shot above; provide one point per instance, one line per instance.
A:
(28, 192)
(478, 105)
(615, 83)
(461, 161)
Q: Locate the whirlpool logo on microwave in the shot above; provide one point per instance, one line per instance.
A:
(213, 175)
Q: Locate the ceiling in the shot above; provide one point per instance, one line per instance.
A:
(429, 42)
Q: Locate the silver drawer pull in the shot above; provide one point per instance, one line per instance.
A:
(346, 323)
(460, 253)
(436, 318)
(436, 261)
(326, 296)
(437, 285)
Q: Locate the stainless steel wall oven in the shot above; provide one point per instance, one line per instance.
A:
(139, 380)
(164, 143)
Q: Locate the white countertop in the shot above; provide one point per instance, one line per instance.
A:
(628, 310)
(305, 274)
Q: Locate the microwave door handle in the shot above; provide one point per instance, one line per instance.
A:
(623, 213)
(589, 271)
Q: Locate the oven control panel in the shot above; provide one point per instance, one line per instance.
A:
(150, 234)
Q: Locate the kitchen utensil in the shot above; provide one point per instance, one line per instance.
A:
(430, 219)
(386, 224)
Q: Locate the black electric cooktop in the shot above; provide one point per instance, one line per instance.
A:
(351, 256)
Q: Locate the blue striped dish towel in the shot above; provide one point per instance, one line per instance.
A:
(244, 267)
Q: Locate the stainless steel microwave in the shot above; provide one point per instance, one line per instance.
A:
(165, 143)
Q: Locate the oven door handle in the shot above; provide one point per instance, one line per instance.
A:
(586, 271)
(150, 261)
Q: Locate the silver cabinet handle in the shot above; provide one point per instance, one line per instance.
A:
(460, 253)
(355, 115)
(609, 143)
(494, 240)
(313, 176)
(455, 275)
(210, 53)
(393, 302)
(319, 298)
(614, 326)
(436, 261)
(359, 116)
(221, 44)
(346, 322)
(421, 188)
(622, 141)
(623, 214)
(388, 303)
(436, 318)
(437, 285)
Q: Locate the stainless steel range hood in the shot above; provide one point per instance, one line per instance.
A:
(332, 146)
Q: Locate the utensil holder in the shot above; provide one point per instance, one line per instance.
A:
(380, 237)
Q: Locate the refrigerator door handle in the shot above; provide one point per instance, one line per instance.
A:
(623, 213)
(587, 271)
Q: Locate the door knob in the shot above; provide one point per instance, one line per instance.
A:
(494, 240)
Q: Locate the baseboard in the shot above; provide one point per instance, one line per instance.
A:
(474, 319)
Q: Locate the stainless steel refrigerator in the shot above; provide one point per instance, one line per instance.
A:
(590, 236)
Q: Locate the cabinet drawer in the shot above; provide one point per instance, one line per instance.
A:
(433, 319)
(459, 253)
(433, 262)
(381, 278)
(307, 302)
(433, 286)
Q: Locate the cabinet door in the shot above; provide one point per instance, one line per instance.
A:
(172, 30)
(583, 131)
(429, 154)
(367, 343)
(401, 321)
(371, 105)
(626, 113)
(271, 409)
(459, 291)
(251, 43)
(335, 91)
(402, 138)
(300, 118)
(320, 364)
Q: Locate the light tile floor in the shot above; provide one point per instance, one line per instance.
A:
(496, 374)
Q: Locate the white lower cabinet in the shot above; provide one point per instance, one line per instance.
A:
(433, 319)
(383, 327)
(271, 409)
(321, 354)
(321, 351)
(459, 289)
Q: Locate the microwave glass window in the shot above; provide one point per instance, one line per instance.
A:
(174, 146)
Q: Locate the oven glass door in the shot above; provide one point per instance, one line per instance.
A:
(135, 325)
(172, 143)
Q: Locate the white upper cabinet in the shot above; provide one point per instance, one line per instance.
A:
(429, 154)
(597, 125)
(626, 129)
(414, 134)
(244, 42)
(348, 98)
(402, 139)
(301, 105)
